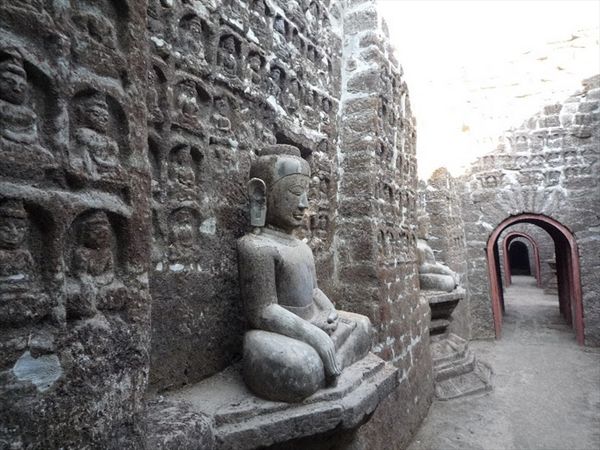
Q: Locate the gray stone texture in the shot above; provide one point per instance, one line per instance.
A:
(375, 266)
(440, 198)
(547, 166)
(74, 214)
(127, 130)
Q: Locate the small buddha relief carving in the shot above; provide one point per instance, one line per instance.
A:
(276, 80)
(255, 66)
(92, 283)
(192, 104)
(97, 41)
(294, 96)
(22, 297)
(228, 55)
(259, 14)
(222, 113)
(154, 96)
(183, 238)
(184, 162)
(20, 142)
(193, 33)
(94, 152)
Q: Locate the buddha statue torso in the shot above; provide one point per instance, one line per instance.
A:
(101, 152)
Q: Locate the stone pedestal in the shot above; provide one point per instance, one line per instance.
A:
(457, 371)
(237, 419)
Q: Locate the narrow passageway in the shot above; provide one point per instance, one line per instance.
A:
(546, 388)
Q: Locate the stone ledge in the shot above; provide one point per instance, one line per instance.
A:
(441, 296)
(240, 420)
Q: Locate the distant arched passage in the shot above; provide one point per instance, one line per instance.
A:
(536, 256)
(567, 270)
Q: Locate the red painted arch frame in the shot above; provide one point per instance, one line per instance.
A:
(561, 235)
(536, 256)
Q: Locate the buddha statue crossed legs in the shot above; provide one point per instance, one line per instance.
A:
(298, 342)
(433, 276)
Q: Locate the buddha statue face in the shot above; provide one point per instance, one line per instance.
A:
(287, 201)
(13, 82)
(229, 45)
(96, 232)
(94, 114)
(12, 231)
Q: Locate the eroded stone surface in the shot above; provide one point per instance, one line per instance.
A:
(243, 421)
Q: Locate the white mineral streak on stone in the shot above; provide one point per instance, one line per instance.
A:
(176, 267)
(273, 102)
(158, 42)
(159, 267)
(209, 226)
(251, 36)
(42, 371)
(19, 276)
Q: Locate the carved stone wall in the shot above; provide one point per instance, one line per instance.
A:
(547, 166)
(375, 268)
(228, 77)
(74, 224)
(440, 198)
(126, 132)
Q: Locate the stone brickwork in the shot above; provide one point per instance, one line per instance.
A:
(127, 130)
(228, 77)
(440, 198)
(547, 166)
(375, 267)
(74, 223)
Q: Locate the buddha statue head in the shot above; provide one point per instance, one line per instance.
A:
(13, 224)
(94, 112)
(13, 78)
(278, 187)
(423, 225)
(96, 231)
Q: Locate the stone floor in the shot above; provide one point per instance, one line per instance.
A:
(546, 388)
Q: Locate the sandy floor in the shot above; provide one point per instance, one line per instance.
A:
(546, 388)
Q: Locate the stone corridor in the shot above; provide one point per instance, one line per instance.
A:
(546, 388)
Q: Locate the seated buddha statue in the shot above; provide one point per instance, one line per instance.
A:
(433, 276)
(19, 138)
(92, 284)
(99, 152)
(22, 298)
(297, 342)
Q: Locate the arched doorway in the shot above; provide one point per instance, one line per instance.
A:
(518, 258)
(567, 270)
(508, 239)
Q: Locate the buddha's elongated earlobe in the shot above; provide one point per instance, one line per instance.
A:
(257, 191)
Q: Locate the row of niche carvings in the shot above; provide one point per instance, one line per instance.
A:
(97, 138)
(258, 24)
(396, 245)
(99, 30)
(32, 275)
(193, 98)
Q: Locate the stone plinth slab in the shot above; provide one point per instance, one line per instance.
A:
(457, 371)
(240, 420)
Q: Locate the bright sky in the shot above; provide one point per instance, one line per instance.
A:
(475, 68)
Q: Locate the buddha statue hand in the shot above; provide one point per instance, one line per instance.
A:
(324, 346)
